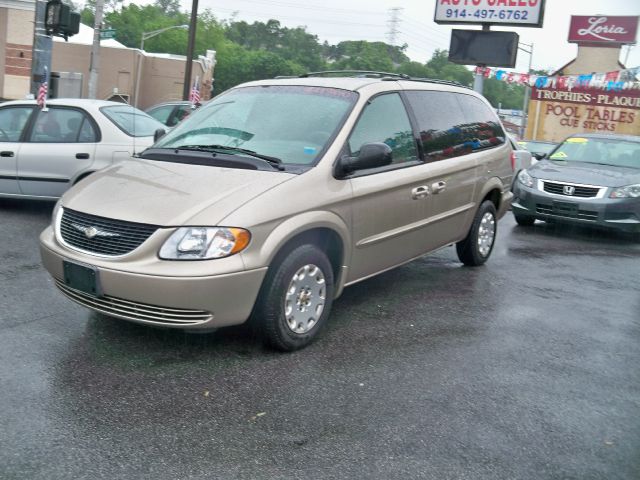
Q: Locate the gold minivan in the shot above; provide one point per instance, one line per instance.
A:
(268, 201)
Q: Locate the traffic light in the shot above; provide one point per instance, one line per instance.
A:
(60, 21)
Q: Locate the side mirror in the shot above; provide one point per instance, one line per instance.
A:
(372, 155)
(158, 134)
(539, 156)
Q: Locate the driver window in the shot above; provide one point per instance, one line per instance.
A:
(385, 120)
(12, 122)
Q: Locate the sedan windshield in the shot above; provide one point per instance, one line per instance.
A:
(132, 121)
(291, 124)
(603, 151)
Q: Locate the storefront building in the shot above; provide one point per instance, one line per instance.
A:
(594, 92)
(161, 76)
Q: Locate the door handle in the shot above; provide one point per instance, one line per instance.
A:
(420, 192)
(438, 187)
(82, 156)
(6, 154)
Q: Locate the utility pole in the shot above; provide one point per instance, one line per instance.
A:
(41, 53)
(193, 23)
(478, 80)
(527, 90)
(95, 51)
(393, 22)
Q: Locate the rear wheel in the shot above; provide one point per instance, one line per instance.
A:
(295, 299)
(524, 220)
(475, 249)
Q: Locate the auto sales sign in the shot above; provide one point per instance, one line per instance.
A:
(603, 29)
(521, 13)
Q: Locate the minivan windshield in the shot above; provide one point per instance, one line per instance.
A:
(288, 124)
(602, 151)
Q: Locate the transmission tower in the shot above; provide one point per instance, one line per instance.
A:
(393, 24)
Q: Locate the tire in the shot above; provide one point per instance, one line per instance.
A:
(295, 299)
(524, 220)
(476, 248)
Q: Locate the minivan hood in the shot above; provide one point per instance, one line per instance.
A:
(585, 173)
(168, 194)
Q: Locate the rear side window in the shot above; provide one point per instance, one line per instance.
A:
(453, 124)
(482, 121)
(62, 125)
(12, 122)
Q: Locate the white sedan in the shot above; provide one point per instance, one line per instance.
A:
(44, 152)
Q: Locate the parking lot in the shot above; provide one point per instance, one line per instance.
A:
(524, 368)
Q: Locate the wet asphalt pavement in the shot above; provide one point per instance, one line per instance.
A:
(526, 368)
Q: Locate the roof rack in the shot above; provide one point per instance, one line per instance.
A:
(385, 76)
(442, 82)
(356, 73)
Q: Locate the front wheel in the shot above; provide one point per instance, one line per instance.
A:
(295, 299)
(475, 249)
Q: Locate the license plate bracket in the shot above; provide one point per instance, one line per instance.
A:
(82, 277)
(566, 209)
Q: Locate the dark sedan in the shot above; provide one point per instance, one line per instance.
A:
(588, 179)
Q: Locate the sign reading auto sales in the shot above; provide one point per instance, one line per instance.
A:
(521, 13)
(603, 29)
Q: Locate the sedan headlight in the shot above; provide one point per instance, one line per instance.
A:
(525, 179)
(203, 243)
(630, 191)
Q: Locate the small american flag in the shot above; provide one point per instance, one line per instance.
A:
(194, 96)
(42, 92)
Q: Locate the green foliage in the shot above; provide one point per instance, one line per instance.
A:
(363, 55)
(503, 95)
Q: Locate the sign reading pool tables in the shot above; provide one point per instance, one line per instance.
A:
(521, 13)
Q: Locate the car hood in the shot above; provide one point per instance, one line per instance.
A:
(585, 173)
(169, 194)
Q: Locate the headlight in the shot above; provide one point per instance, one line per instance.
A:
(202, 243)
(630, 191)
(525, 179)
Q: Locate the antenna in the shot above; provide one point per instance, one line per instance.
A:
(393, 23)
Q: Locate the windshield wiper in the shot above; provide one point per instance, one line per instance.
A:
(273, 161)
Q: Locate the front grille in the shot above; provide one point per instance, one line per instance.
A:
(134, 310)
(102, 236)
(567, 211)
(582, 192)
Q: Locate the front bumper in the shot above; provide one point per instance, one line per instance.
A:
(612, 213)
(174, 299)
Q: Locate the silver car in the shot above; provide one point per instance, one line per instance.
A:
(44, 152)
(268, 201)
(589, 179)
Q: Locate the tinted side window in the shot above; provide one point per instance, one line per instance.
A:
(61, 125)
(439, 119)
(482, 122)
(453, 124)
(385, 120)
(12, 122)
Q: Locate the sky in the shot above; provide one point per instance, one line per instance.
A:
(338, 20)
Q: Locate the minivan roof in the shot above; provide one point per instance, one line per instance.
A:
(353, 82)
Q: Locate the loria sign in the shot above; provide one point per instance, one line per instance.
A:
(603, 29)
